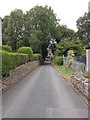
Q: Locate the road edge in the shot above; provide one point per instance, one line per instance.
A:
(81, 96)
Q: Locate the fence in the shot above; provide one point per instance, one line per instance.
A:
(78, 62)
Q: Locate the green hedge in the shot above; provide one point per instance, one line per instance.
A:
(58, 60)
(38, 57)
(11, 61)
(35, 56)
(6, 48)
(26, 50)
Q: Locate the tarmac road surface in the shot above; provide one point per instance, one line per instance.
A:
(44, 93)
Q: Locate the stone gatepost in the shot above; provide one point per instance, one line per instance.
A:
(0, 31)
(88, 57)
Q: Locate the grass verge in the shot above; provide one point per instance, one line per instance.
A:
(65, 71)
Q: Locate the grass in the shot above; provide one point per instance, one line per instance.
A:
(65, 71)
(89, 75)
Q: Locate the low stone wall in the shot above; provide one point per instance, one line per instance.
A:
(18, 74)
(78, 66)
(81, 84)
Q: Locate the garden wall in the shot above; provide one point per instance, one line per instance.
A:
(18, 74)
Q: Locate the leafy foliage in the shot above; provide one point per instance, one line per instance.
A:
(35, 29)
(13, 28)
(83, 25)
(26, 50)
(63, 32)
(6, 48)
(38, 57)
(69, 57)
(58, 60)
(69, 44)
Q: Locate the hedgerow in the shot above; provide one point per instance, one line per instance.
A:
(11, 61)
(6, 48)
(38, 57)
(26, 50)
(58, 60)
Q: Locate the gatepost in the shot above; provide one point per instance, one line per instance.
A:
(88, 57)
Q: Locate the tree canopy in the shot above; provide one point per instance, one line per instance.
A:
(35, 27)
(83, 25)
(39, 29)
(69, 44)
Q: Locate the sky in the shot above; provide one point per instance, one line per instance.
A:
(68, 11)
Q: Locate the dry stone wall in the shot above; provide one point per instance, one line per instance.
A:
(18, 74)
(81, 83)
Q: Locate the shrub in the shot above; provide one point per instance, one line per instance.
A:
(26, 50)
(6, 48)
(41, 59)
(12, 60)
(69, 57)
(38, 57)
(58, 60)
(35, 56)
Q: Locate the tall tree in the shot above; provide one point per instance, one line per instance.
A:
(69, 44)
(63, 32)
(83, 25)
(4, 30)
(14, 29)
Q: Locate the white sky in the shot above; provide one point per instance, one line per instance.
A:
(67, 10)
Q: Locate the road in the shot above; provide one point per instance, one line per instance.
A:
(44, 93)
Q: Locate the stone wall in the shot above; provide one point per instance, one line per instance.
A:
(78, 66)
(80, 82)
(18, 74)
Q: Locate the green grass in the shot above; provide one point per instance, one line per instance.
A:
(65, 71)
(88, 75)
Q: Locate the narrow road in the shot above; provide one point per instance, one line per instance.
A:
(43, 94)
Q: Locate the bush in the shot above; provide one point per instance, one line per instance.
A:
(41, 59)
(58, 60)
(26, 50)
(6, 48)
(12, 60)
(38, 57)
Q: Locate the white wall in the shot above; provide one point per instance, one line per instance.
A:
(88, 60)
(0, 31)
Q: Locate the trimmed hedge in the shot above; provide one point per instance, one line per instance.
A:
(6, 48)
(58, 60)
(11, 61)
(26, 50)
(38, 57)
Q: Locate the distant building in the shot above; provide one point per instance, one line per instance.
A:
(89, 6)
(0, 31)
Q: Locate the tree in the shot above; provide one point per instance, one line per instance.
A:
(69, 44)
(83, 25)
(63, 32)
(4, 30)
(13, 26)
(43, 23)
